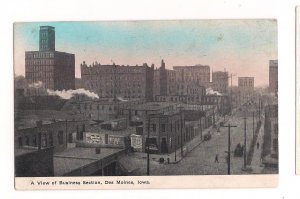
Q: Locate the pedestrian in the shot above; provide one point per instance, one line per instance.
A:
(217, 158)
(257, 145)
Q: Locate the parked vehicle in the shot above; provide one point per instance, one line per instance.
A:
(152, 149)
(207, 136)
(239, 151)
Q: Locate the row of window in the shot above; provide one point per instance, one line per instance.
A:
(40, 62)
(46, 140)
(40, 55)
(40, 75)
(111, 84)
(118, 70)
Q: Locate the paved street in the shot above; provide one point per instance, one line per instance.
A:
(201, 160)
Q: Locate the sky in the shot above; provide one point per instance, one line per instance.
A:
(241, 47)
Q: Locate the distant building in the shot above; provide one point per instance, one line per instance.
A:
(273, 76)
(246, 84)
(112, 81)
(164, 81)
(199, 74)
(220, 81)
(56, 70)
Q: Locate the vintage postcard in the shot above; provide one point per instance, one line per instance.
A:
(146, 104)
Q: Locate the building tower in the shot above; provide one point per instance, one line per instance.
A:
(163, 79)
(47, 38)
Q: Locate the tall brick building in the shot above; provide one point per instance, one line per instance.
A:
(220, 81)
(56, 70)
(164, 81)
(199, 74)
(246, 84)
(111, 81)
(273, 76)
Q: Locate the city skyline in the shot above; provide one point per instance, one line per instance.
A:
(242, 47)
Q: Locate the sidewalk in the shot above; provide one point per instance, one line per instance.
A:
(256, 164)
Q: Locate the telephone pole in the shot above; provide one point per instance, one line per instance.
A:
(229, 144)
(181, 140)
(245, 142)
(253, 124)
(148, 155)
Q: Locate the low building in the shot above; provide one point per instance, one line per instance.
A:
(166, 132)
(82, 161)
(102, 109)
(141, 111)
(34, 162)
(57, 134)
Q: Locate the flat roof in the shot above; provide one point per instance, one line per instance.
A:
(123, 132)
(152, 106)
(74, 158)
(25, 150)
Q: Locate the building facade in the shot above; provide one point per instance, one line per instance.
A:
(220, 81)
(58, 135)
(112, 81)
(55, 70)
(199, 74)
(164, 81)
(246, 84)
(166, 132)
(273, 76)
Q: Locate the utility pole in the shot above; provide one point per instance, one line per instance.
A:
(245, 142)
(230, 93)
(181, 132)
(148, 155)
(229, 144)
(253, 124)
(200, 130)
(175, 141)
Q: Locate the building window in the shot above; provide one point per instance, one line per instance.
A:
(70, 138)
(106, 138)
(154, 127)
(60, 137)
(20, 141)
(163, 128)
(27, 141)
(51, 139)
(34, 143)
(44, 140)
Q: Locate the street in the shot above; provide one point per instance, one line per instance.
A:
(201, 160)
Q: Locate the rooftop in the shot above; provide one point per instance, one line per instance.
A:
(25, 150)
(124, 132)
(74, 158)
(152, 106)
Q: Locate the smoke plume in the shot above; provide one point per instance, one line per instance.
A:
(68, 94)
(210, 91)
(38, 84)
